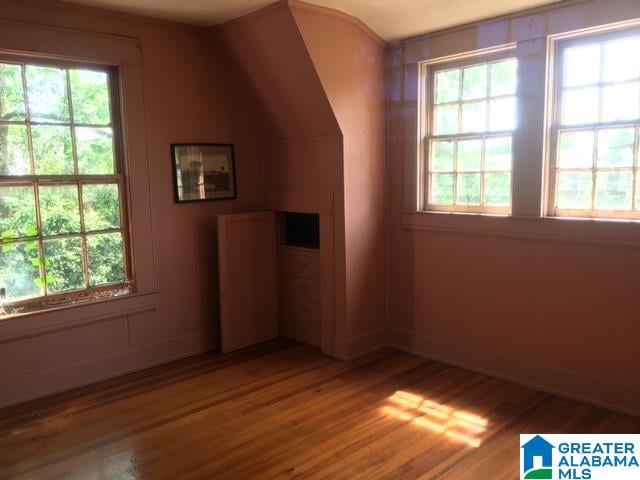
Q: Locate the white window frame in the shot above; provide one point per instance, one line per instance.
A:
(49, 300)
(426, 102)
(558, 45)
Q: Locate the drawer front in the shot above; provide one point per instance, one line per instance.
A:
(304, 265)
(308, 333)
(299, 309)
(300, 287)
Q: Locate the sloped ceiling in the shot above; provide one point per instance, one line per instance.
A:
(390, 19)
(268, 60)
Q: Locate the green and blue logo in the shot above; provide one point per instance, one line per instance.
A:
(537, 459)
(580, 456)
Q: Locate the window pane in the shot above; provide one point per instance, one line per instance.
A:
(497, 189)
(11, 92)
(615, 147)
(502, 114)
(621, 61)
(101, 207)
(468, 189)
(59, 209)
(474, 82)
(95, 150)
(52, 150)
(47, 93)
(582, 65)
(20, 270)
(447, 86)
(65, 264)
(621, 102)
(442, 154)
(14, 150)
(442, 188)
(17, 212)
(474, 117)
(106, 261)
(497, 153)
(504, 77)
(446, 120)
(580, 106)
(469, 155)
(575, 149)
(613, 190)
(90, 97)
(574, 190)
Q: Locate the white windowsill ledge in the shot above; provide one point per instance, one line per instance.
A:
(600, 232)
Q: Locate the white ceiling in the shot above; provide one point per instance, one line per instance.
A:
(391, 19)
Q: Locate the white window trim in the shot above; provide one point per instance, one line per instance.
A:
(71, 45)
(88, 293)
(557, 45)
(425, 108)
(75, 46)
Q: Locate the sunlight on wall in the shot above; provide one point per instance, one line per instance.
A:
(458, 425)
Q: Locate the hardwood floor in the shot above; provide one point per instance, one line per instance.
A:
(282, 410)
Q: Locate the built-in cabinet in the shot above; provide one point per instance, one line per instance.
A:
(270, 271)
(299, 281)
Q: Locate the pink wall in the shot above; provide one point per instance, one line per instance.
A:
(533, 300)
(350, 63)
(188, 97)
(318, 101)
(303, 143)
(551, 303)
(273, 70)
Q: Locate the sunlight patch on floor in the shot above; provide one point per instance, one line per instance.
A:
(458, 425)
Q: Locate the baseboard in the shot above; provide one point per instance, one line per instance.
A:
(68, 377)
(354, 347)
(599, 392)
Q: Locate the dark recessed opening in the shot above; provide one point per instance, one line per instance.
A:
(302, 230)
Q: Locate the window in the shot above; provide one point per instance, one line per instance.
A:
(594, 154)
(61, 183)
(470, 117)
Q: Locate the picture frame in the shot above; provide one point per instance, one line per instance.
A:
(203, 172)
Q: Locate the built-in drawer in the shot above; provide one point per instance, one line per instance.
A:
(308, 333)
(300, 287)
(300, 309)
(304, 264)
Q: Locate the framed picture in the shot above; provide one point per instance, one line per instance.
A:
(203, 171)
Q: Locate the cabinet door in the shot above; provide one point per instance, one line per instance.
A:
(247, 271)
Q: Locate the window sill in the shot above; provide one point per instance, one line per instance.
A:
(581, 231)
(51, 302)
(64, 317)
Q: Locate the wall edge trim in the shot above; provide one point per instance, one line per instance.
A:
(402, 340)
(347, 349)
(272, 8)
(529, 229)
(122, 15)
(339, 14)
(134, 44)
(489, 20)
(196, 343)
(139, 303)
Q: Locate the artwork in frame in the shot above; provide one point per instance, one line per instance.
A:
(203, 171)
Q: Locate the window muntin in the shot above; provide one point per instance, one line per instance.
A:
(61, 186)
(471, 114)
(594, 160)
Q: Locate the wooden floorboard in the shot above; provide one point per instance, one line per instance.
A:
(283, 410)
